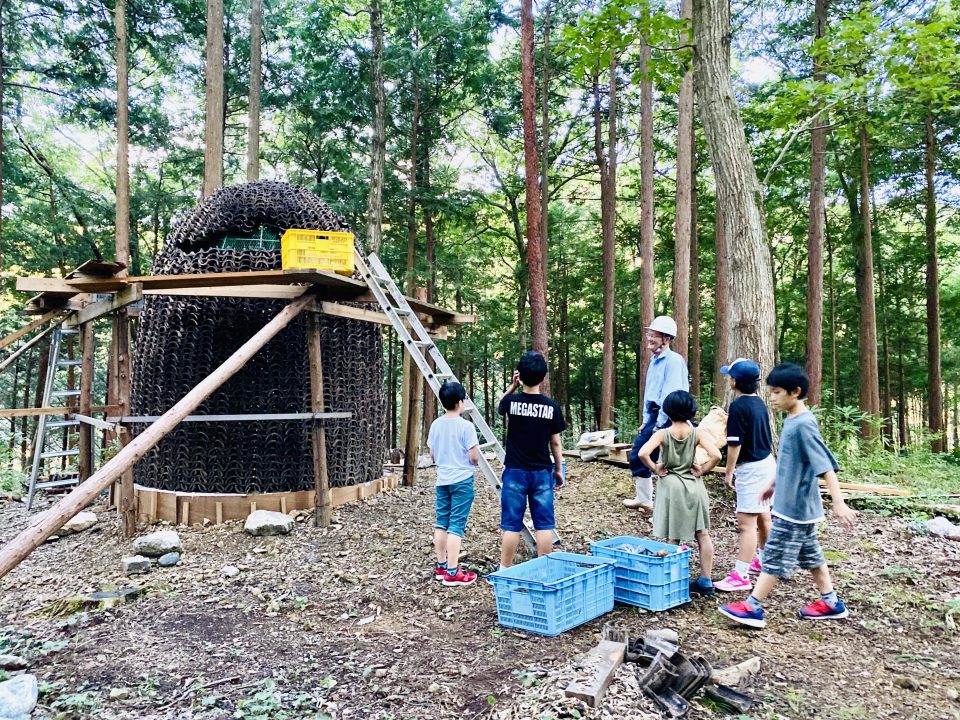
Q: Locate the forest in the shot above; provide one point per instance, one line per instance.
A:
(407, 120)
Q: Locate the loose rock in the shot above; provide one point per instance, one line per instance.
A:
(907, 683)
(734, 675)
(952, 694)
(169, 560)
(135, 565)
(265, 522)
(158, 543)
(12, 662)
(78, 523)
(119, 694)
(18, 697)
(230, 570)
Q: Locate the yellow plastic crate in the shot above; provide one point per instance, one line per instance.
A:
(317, 250)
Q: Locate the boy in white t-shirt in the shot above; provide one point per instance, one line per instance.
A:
(456, 451)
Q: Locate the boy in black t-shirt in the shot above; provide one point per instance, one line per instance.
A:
(751, 469)
(534, 423)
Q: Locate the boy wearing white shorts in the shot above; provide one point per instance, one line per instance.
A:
(751, 469)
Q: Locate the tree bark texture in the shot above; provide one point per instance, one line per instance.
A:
(378, 142)
(681, 228)
(695, 349)
(607, 164)
(411, 276)
(752, 315)
(545, 146)
(647, 238)
(538, 283)
(817, 221)
(869, 363)
(213, 133)
(256, 80)
(934, 380)
(721, 332)
(123, 134)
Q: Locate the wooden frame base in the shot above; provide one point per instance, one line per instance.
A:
(215, 508)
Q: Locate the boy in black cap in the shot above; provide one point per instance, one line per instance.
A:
(751, 469)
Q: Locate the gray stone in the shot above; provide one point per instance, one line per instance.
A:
(78, 523)
(119, 694)
(230, 570)
(169, 560)
(135, 565)
(158, 543)
(18, 697)
(12, 662)
(265, 522)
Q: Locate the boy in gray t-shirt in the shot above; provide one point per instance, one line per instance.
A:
(455, 449)
(797, 507)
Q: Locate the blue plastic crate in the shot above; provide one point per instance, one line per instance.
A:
(554, 593)
(645, 580)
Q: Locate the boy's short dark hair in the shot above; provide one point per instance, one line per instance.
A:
(451, 393)
(789, 377)
(747, 387)
(680, 406)
(532, 367)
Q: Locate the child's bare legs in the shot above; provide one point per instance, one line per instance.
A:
(763, 529)
(508, 547)
(453, 550)
(544, 542)
(747, 526)
(764, 586)
(821, 577)
(705, 545)
(440, 545)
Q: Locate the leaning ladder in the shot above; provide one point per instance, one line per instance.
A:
(420, 346)
(46, 427)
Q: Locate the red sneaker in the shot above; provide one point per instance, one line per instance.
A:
(461, 578)
(439, 573)
(819, 610)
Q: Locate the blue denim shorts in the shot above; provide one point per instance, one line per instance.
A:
(521, 487)
(453, 506)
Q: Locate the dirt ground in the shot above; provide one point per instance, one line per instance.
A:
(347, 622)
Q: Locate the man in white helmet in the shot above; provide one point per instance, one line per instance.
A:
(667, 372)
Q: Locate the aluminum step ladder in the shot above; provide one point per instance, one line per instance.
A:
(420, 346)
(48, 428)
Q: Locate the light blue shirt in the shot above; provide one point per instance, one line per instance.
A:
(803, 457)
(450, 439)
(667, 372)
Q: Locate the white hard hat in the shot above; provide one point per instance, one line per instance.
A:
(664, 325)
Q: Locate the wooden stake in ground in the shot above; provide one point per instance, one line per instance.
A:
(321, 478)
(86, 399)
(49, 522)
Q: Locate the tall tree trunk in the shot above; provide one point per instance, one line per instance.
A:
(869, 365)
(256, 78)
(818, 172)
(681, 228)
(545, 146)
(213, 133)
(934, 380)
(411, 276)
(647, 238)
(429, 399)
(886, 392)
(832, 295)
(378, 143)
(721, 304)
(607, 164)
(123, 134)
(695, 349)
(538, 282)
(751, 302)
(901, 399)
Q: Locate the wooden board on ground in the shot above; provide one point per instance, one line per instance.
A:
(214, 508)
(602, 661)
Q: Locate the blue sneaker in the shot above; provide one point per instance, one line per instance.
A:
(819, 610)
(702, 586)
(742, 613)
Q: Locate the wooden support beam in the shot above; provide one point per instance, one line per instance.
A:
(261, 417)
(12, 357)
(29, 328)
(123, 378)
(321, 478)
(99, 424)
(34, 412)
(86, 399)
(125, 296)
(49, 522)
